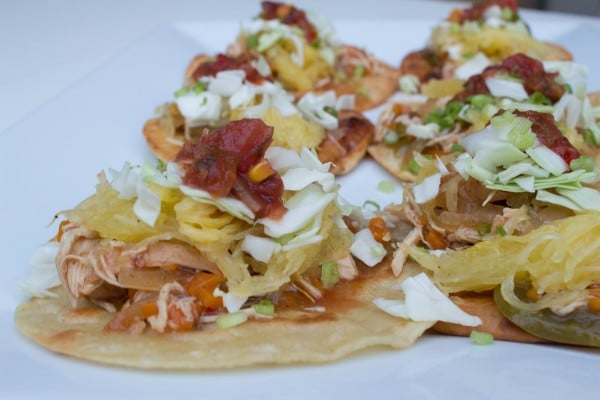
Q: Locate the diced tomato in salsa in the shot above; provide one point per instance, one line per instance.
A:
(549, 135)
(224, 62)
(289, 15)
(219, 162)
(529, 70)
(477, 10)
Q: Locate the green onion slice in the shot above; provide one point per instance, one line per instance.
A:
(386, 186)
(232, 319)
(181, 92)
(481, 338)
(413, 166)
(372, 203)
(583, 162)
(200, 87)
(329, 274)
(264, 307)
(391, 137)
(251, 41)
(483, 228)
(359, 71)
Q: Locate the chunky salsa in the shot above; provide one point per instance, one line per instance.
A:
(221, 162)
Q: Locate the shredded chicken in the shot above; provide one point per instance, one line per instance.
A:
(74, 268)
(347, 269)
(513, 221)
(348, 57)
(173, 298)
(306, 287)
(86, 262)
(401, 253)
(464, 234)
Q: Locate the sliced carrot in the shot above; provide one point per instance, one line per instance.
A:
(435, 240)
(149, 309)
(532, 294)
(434, 151)
(171, 267)
(260, 171)
(178, 320)
(399, 108)
(594, 304)
(202, 285)
(379, 230)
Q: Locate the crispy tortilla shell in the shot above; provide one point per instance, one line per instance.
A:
(482, 305)
(392, 159)
(350, 323)
(369, 91)
(158, 141)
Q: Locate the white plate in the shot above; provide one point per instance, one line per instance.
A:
(49, 162)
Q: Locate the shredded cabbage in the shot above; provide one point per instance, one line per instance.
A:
(425, 302)
(43, 275)
(366, 248)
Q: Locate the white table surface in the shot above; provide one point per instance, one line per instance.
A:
(47, 46)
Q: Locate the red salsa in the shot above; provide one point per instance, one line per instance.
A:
(224, 62)
(289, 15)
(529, 70)
(219, 162)
(549, 135)
(477, 11)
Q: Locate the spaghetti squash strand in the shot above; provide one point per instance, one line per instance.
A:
(561, 259)
(204, 223)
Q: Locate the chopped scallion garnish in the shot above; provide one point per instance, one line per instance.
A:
(413, 166)
(372, 203)
(386, 186)
(359, 71)
(589, 137)
(508, 14)
(483, 228)
(331, 110)
(264, 307)
(161, 165)
(283, 240)
(391, 137)
(501, 231)
(180, 92)
(457, 148)
(480, 100)
(503, 120)
(251, 41)
(361, 91)
(481, 338)
(568, 88)
(200, 87)
(583, 162)
(329, 274)
(539, 98)
(231, 319)
(447, 117)
(520, 133)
